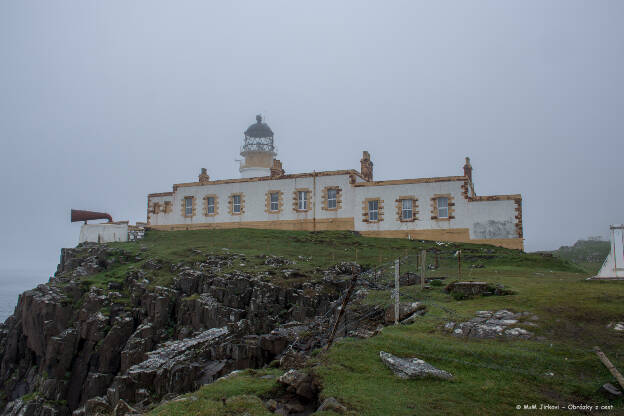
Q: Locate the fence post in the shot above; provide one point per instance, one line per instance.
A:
(614, 371)
(396, 292)
(459, 264)
(343, 307)
(423, 268)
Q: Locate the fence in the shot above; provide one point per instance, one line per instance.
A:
(412, 272)
(408, 277)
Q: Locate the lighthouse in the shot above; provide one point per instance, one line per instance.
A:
(258, 150)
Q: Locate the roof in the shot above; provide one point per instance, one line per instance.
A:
(259, 129)
(417, 180)
(260, 179)
(513, 197)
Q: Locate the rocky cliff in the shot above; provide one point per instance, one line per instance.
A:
(114, 329)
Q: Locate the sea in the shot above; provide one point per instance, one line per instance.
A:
(14, 282)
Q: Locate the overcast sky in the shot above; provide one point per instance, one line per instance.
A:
(102, 103)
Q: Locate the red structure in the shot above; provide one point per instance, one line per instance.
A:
(80, 215)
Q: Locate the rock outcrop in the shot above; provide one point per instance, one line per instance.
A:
(487, 324)
(97, 340)
(412, 367)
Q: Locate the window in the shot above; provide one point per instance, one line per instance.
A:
(302, 198)
(373, 210)
(210, 205)
(236, 204)
(156, 208)
(331, 198)
(274, 201)
(407, 211)
(442, 207)
(188, 206)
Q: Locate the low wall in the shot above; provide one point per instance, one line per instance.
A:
(103, 233)
(457, 235)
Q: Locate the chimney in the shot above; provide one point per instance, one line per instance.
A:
(276, 169)
(203, 176)
(366, 166)
(468, 169)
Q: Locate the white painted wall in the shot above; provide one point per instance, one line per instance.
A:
(254, 172)
(161, 218)
(103, 233)
(484, 219)
(254, 197)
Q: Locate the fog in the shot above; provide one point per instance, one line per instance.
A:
(102, 103)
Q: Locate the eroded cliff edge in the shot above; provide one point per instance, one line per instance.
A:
(126, 326)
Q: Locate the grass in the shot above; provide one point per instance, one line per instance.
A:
(310, 251)
(234, 395)
(491, 376)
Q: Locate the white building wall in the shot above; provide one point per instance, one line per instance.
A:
(254, 198)
(491, 219)
(103, 233)
(160, 218)
(484, 219)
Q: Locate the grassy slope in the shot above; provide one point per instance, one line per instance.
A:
(231, 396)
(491, 376)
(588, 254)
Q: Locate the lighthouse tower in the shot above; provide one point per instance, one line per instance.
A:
(258, 150)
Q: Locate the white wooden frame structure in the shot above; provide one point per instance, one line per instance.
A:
(613, 266)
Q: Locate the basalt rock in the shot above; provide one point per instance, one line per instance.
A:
(113, 347)
(302, 384)
(412, 367)
(465, 290)
(333, 405)
(487, 324)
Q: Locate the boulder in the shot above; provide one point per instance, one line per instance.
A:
(409, 279)
(187, 281)
(486, 331)
(463, 290)
(98, 406)
(518, 333)
(491, 325)
(365, 333)
(610, 391)
(122, 408)
(406, 309)
(333, 405)
(292, 359)
(413, 317)
(616, 326)
(504, 314)
(302, 384)
(271, 405)
(412, 367)
(292, 378)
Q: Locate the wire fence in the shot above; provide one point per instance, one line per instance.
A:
(409, 277)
